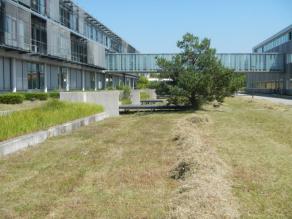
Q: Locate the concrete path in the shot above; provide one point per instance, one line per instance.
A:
(277, 100)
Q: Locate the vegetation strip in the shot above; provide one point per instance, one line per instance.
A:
(52, 113)
(22, 142)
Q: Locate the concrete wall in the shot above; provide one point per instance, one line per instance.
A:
(135, 97)
(108, 99)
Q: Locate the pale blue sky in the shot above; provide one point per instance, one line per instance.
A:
(156, 25)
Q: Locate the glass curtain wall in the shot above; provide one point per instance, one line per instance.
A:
(238, 62)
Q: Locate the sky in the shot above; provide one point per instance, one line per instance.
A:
(154, 26)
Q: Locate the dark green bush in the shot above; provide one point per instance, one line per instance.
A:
(55, 95)
(11, 98)
(36, 96)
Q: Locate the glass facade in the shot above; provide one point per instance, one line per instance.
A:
(237, 62)
(134, 62)
(274, 43)
(252, 62)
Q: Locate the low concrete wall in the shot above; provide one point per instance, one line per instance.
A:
(5, 113)
(135, 97)
(22, 142)
(108, 99)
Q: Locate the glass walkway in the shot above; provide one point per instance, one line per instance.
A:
(240, 62)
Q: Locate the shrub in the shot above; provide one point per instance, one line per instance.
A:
(11, 98)
(126, 95)
(142, 82)
(126, 92)
(54, 95)
(36, 96)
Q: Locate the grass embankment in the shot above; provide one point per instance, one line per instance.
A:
(52, 113)
(255, 139)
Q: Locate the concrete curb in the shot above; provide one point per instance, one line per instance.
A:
(6, 112)
(13, 145)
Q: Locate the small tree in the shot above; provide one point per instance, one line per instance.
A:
(142, 82)
(197, 75)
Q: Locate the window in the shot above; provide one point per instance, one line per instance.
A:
(65, 14)
(38, 35)
(290, 36)
(78, 49)
(2, 18)
(35, 76)
(11, 32)
(38, 6)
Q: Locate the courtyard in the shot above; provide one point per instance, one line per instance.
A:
(230, 161)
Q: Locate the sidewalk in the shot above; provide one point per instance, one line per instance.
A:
(278, 100)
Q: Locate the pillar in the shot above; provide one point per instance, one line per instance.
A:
(68, 80)
(83, 80)
(124, 79)
(45, 79)
(95, 81)
(13, 75)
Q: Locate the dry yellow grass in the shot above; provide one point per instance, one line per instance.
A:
(255, 140)
(114, 169)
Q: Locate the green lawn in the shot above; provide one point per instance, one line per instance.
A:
(236, 160)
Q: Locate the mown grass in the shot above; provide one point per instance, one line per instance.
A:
(255, 139)
(52, 113)
(117, 168)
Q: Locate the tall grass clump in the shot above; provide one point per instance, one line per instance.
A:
(54, 112)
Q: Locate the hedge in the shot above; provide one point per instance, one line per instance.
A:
(55, 95)
(11, 98)
(35, 96)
